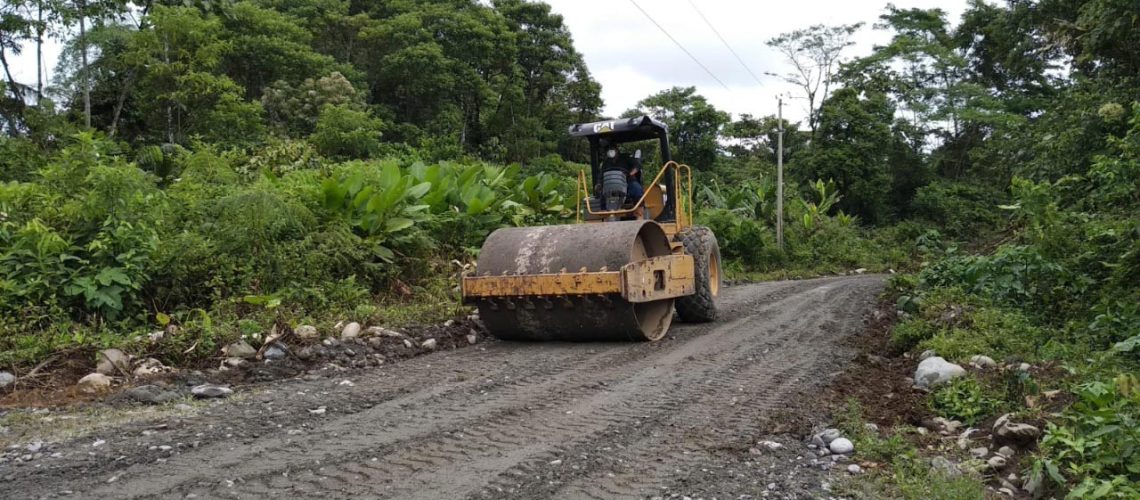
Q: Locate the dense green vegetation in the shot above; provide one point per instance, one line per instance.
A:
(224, 167)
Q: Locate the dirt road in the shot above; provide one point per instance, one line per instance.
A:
(502, 420)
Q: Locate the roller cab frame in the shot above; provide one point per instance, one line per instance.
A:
(614, 275)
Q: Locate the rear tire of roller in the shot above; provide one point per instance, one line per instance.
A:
(700, 307)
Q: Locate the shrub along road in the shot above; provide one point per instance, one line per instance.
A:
(679, 416)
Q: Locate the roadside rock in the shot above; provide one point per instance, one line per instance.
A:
(307, 332)
(964, 439)
(472, 338)
(112, 362)
(429, 344)
(274, 352)
(240, 349)
(829, 435)
(350, 331)
(94, 383)
(378, 331)
(6, 379)
(151, 394)
(996, 462)
(945, 467)
(927, 354)
(1008, 432)
(770, 445)
(983, 362)
(150, 366)
(1034, 485)
(207, 391)
(942, 425)
(841, 446)
(854, 469)
(1006, 452)
(233, 362)
(935, 371)
(979, 452)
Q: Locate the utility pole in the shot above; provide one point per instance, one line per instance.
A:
(780, 172)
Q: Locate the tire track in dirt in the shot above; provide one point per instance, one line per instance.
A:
(699, 424)
(501, 436)
(490, 422)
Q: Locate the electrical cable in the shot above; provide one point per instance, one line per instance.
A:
(682, 47)
(725, 42)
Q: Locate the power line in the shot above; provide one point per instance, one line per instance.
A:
(725, 42)
(682, 47)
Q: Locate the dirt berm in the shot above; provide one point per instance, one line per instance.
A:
(502, 420)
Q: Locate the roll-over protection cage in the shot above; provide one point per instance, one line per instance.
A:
(642, 128)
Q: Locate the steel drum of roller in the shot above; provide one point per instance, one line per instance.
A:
(573, 248)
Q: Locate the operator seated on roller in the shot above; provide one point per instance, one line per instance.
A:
(631, 166)
(635, 190)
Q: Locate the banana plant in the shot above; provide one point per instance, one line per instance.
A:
(380, 207)
(816, 212)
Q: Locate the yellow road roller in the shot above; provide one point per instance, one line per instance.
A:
(631, 259)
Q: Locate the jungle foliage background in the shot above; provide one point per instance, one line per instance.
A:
(226, 166)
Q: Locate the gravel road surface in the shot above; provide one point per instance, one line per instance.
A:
(500, 420)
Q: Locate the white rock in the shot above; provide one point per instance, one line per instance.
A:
(1034, 484)
(319, 410)
(996, 462)
(945, 467)
(829, 435)
(472, 338)
(233, 362)
(350, 331)
(1006, 452)
(854, 469)
(429, 344)
(1006, 431)
(274, 352)
(983, 362)
(929, 353)
(841, 446)
(935, 371)
(347, 383)
(112, 362)
(307, 332)
(964, 439)
(979, 452)
(240, 349)
(210, 391)
(861, 270)
(6, 379)
(770, 445)
(1024, 367)
(150, 366)
(871, 427)
(94, 382)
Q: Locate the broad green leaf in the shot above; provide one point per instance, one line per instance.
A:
(397, 224)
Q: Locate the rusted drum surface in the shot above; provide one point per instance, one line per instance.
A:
(571, 248)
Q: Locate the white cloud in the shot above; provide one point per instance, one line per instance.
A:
(633, 59)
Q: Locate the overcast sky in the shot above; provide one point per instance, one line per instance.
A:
(633, 59)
